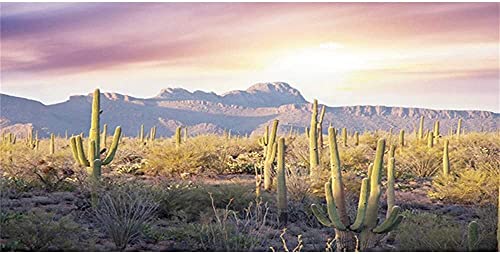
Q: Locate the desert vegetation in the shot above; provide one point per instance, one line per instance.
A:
(325, 189)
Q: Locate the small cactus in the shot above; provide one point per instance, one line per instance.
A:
(459, 127)
(186, 134)
(402, 138)
(344, 136)
(52, 143)
(436, 129)
(177, 137)
(421, 128)
(152, 134)
(356, 138)
(430, 140)
(472, 236)
(141, 133)
(446, 159)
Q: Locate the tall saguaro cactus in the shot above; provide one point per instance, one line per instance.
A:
(459, 127)
(446, 158)
(402, 138)
(421, 128)
(141, 133)
(313, 141)
(344, 136)
(365, 223)
(270, 149)
(52, 143)
(436, 129)
(93, 161)
(177, 137)
(281, 179)
(152, 134)
(390, 181)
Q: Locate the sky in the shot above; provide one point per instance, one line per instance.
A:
(430, 55)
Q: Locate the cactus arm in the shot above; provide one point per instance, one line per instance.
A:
(320, 216)
(336, 174)
(81, 153)
(391, 222)
(332, 209)
(360, 216)
(74, 149)
(114, 146)
(313, 140)
(373, 200)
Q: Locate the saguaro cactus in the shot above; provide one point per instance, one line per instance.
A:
(320, 130)
(390, 181)
(281, 179)
(52, 143)
(186, 135)
(141, 133)
(152, 134)
(472, 236)
(264, 140)
(446, 159)
(93, 162)
(104, 135)
(270, 148)
(356, 138)
(459, 127)
(402, 138)
(421, 128)
(436, 129)
(344, 136)
(430, 139)
(177, 137)
(313, 141)
(366, 218)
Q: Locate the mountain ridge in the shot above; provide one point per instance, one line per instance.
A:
(242, 111)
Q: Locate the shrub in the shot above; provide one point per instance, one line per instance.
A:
(419, 161)
(421, 231)
(468, 187)
(39, 231)
(123, 212)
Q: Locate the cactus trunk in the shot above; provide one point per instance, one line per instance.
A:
(344, 136)
(52, 143)
(281, 182)
(356, 138)
(446, 159)
(270, 155)
(402, 138)
(430, 139)
(313, 142)
(421, 128)
(459, 127)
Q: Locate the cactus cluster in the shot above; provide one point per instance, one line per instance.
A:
(366, 222)
(32, 142)
(268, 142)
(313, 134)
(9, 138)
(92, 158)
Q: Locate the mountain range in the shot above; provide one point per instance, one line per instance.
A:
(242, 112)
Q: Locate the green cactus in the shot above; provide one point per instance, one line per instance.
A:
(313, 142)
(402, 138)
(356, 138)
(281, 183)
(52, 143)
(472, 236)
(365, 223)
(344, 136)
(177, 137)
(270, 148)
(436, 129)
(66, 134)
(104, 137)
(459, 127)
(320, 130)
(30, 141)
(446, 158)
(93, 162)
(390, 181)
(152, 134)
(430, 140)
(141, 133)
(264, 140)
(186, 134)
(421, 128)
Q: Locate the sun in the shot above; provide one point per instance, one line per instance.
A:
(327, 58)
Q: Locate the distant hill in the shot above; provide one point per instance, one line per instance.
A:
(243, 112)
